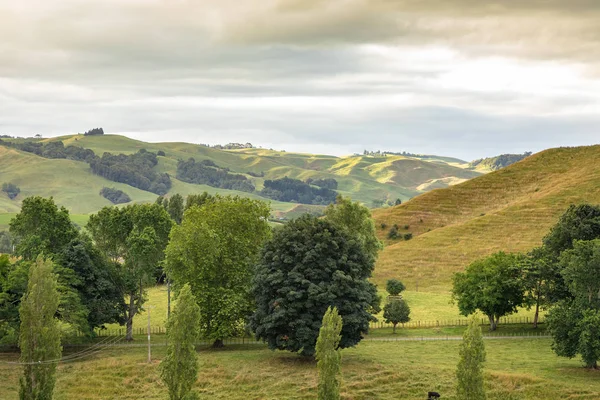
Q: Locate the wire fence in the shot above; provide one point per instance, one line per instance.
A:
(160, 330)
(453, 322)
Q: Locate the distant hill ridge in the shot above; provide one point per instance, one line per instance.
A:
(43, 171)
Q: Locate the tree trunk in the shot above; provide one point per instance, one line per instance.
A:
(537, 315)
(395, 328)
(131, 312)
(218, 344)
(493, 323)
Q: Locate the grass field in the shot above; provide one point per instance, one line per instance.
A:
(425, 307)
(510, 210)
(515, 369)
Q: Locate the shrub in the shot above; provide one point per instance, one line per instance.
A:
(393, 233)
(408, 236)
(161, 153)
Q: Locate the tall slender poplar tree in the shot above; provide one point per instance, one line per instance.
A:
(39, 337)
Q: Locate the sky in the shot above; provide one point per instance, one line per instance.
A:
(462, 78)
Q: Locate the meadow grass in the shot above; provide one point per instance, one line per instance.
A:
(515, 369)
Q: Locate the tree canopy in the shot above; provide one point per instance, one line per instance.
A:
(308, 266)
(214, 250)
(494, 285)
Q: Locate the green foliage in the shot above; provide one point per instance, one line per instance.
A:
(329, 357)
(494, 285)
(214, 250)
(39, 337)
(407, 236)
(581, 222)
(394, 287)
(134, 169)
(179, 368)
(581, 271)
(356, 220)
(134, 237)
(11, 190)
(175, 208)
(398, 202)
(396, 312)
(97, 282)
(575, 322)
(206, 172)
(6, 245)
(94, 131)
(41, 227)
(115, 196)
(327, 183)
(469, 371)
(294, 190)
(501, 161)
(393, 233)
(198, 200)
(308, 266)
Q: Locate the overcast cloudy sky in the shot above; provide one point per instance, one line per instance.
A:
(467, 78)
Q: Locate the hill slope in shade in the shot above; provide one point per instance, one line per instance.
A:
(510, 210)
(367, 179)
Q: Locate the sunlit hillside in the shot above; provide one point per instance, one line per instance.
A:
(511, 210)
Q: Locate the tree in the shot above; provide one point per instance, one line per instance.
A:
(39, 337)
(543, 281)
(11, 190)
(175, 208)
(198, 200)
(398, 202)
(396, 311)
(329, 356)
(41, 227)
(494, 285)
(214, 250)
(356, 219)
(581, 222)
(308, 266)
(134, 237)
(97, 281)
(469, 371)
(394, 287)
(573, 322)
(179, 368)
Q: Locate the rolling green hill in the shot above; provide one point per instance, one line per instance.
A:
(510, 209)
(371, 180)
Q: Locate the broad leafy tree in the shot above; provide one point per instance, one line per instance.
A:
(469, 372)
(574, 322)
(329, 357)
(494, 285)
(396, 312)
(39, 337)
(96, 280)
(134, 237)
(579, 222)
(41, 227)
(355, 218)
(179, 368)
(214, 250)
(309, 265)
(175, 208)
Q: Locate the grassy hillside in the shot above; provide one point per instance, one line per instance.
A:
(71, 183)
(510, 210)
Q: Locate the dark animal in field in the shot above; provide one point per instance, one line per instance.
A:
(433, 396)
